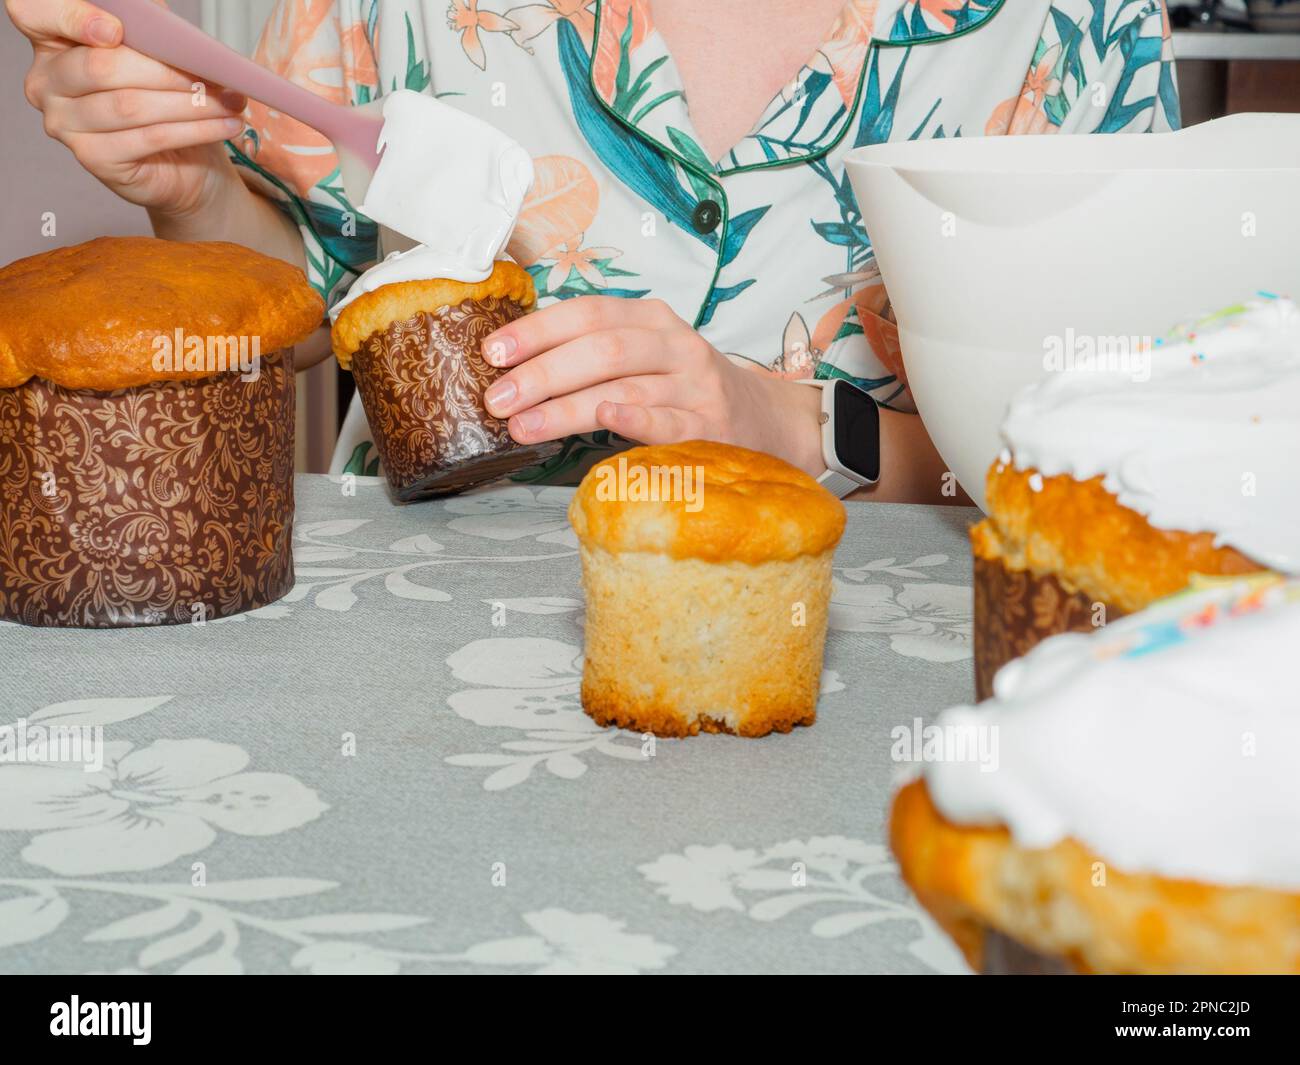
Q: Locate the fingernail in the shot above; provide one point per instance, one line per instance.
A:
(500, 394)
(233, 101)
(232, 125)
(499, 349)
(102, 31)
(529, 422)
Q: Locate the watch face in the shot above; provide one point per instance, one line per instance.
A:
(857, 431)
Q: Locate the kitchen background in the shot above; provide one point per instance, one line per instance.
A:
(1235, 55)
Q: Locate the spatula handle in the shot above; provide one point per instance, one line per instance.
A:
(167, 37)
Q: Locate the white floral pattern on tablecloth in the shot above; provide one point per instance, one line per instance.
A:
(334, 559)
(200, 930)
(922, 618)
(147, 807)
(515, 513)
(827, 874)
(224, 833)
(533, 686)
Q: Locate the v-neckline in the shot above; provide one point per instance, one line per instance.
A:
(635, 74)
(774, 100)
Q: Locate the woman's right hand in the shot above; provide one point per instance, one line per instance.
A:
(139, 126)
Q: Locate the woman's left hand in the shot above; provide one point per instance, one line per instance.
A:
(633, 367)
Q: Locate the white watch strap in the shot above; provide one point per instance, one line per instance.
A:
(835, 482)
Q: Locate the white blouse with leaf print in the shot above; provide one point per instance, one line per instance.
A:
(776, 267)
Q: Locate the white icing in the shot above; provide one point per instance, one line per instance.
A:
(1163, 743)
(1210, 442)
(447, 180)
(415, 264)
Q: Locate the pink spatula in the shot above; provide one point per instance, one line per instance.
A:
(167, 37)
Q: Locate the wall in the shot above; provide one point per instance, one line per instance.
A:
(38, 174)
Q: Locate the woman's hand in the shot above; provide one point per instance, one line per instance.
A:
(135, 124)
(633, 367)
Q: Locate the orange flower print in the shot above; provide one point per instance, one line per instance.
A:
(828, 325)
(941, 11)
(1026, 113)
(573, 257)
(799, 357)
(465, 17)
(359, 67)
(533, 20)
(1166, 35)
(558, 209)
(301, 43)
(614, 17)
(845, 50)
(876, 316)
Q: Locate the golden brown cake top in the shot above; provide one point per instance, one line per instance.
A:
(373, 311)
(705, 500)
(1080, 533)
(91, 316)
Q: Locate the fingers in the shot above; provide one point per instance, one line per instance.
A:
(80, 71)
(113, 106)
(98, 151)
(126, 109)
(576, 412)
(580, 363)
(46, 22)
(651, 425)
(569, 320)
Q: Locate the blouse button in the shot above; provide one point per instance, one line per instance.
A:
(706, 216)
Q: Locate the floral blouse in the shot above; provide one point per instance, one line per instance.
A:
(764, 251)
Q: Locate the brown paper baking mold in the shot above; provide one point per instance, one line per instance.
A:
(421, 383)
(1014, 610)
(160, 504)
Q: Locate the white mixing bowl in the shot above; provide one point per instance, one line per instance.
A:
(990, 247)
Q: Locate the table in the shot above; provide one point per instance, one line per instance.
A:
(390, 770)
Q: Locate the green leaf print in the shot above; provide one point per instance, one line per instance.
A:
(417, 72)
(693, 152)
(663, 97)
(356, 464)
(627, 96)
(695, 155)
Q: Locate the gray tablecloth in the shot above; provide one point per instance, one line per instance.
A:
(390, 770)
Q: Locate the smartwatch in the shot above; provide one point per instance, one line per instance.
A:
(850, 421)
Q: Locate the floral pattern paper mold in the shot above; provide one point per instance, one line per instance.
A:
(421, 383)
(162, 504)
(1016, 610)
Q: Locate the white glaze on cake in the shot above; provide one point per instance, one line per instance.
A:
(1167, 742)
(1210, 443)
(448, 180)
